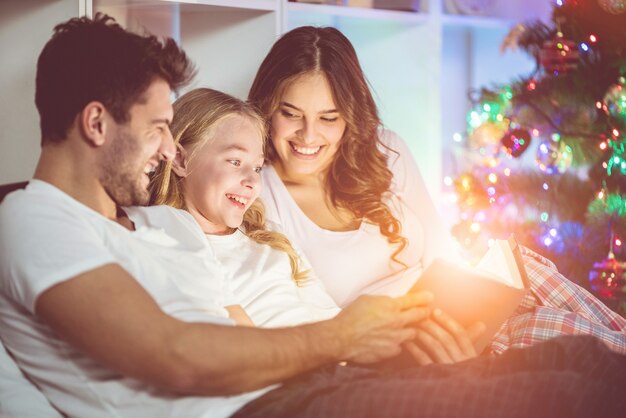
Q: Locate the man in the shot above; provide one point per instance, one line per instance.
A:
(91, 311)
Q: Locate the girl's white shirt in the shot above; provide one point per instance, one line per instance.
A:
(253, 275)
(260, 281)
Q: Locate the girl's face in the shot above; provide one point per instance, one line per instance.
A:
(223, 177)
(306, 128)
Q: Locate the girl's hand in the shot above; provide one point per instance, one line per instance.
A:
(237, 314)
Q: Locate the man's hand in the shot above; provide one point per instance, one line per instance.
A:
(440, 339)
(373, 328)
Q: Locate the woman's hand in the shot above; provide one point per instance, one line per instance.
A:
(440, 339)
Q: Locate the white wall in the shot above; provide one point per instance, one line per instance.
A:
(24, 30)
(217, 41)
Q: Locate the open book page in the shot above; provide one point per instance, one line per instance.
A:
(500, 263)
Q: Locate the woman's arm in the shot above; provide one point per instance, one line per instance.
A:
(439, 339)
(409, 186)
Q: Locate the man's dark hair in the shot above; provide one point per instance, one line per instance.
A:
(96, 59)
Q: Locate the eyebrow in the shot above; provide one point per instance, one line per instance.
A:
(287, 104)
(161, 120)
(237, 147)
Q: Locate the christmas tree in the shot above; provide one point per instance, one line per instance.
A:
(545, 155)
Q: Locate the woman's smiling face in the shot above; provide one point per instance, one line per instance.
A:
(307, 128)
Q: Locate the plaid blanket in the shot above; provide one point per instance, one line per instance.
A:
(555, 306)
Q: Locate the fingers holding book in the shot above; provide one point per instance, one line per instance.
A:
(441, 339)
(374, 327)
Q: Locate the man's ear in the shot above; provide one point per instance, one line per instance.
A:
(93, 121)
(180, 163)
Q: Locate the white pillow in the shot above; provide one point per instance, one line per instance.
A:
(18, 396)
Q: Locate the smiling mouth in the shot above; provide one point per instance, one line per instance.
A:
(305, 151)
(239, 201)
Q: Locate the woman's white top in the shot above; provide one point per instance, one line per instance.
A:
(350, 263)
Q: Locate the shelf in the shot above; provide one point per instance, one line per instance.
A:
(475, 22)
(260, 5)
(357, 12)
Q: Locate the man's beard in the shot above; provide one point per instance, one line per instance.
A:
(121, 172)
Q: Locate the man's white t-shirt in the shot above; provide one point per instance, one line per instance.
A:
(47, 237)
(351, 263)
(18, 396)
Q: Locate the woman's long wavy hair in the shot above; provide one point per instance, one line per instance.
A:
(196, 115)
(358, 178)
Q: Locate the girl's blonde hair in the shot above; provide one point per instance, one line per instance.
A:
(196, 115)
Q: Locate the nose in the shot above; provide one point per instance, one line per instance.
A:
(251, 181)
(167, 149)
(307, 131)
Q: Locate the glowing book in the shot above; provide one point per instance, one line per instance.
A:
(489, 292)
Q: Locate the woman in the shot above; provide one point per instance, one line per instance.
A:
(215, 178)
(336, 180)
(349, 194)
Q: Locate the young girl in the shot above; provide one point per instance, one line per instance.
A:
(214, 183)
